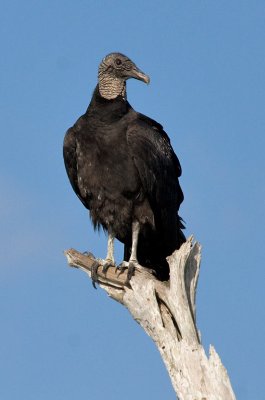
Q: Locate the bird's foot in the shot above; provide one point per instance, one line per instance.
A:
(131, 266)
(94, 272)
(107, 263)
(94, 267)
(88, 254)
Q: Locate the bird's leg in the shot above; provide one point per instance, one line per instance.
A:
(109, 260)
(135, 235)
(133, 263)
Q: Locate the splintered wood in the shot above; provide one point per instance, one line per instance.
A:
(167, 313)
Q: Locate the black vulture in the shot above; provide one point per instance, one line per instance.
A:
(124, 170)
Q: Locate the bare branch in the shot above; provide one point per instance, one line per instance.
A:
(80, 260)
(166, 311)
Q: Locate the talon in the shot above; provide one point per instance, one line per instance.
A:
(106, 265)
(131, 270)
(94, 273)
(130, 266)
(121, 268)
(88, 254)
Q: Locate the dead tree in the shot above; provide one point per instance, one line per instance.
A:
(167, 313)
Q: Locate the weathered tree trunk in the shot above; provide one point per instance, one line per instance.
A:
(166, 311)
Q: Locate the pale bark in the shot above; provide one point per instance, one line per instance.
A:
(167, 312)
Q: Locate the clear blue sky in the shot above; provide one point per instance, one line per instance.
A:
(59, 338)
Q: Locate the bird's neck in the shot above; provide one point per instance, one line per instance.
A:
(111, 87)
(107, 110)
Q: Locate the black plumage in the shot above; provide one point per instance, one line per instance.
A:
(122, 167)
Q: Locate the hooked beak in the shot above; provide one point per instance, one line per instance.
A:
(138, 74)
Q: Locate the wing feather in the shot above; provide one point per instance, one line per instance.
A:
(156, 162)
(71, 159)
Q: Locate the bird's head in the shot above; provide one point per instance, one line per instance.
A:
(113, 72)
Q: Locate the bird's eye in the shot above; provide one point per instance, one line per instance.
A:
(118, 61)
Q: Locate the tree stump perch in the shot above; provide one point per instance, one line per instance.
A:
(167, 313)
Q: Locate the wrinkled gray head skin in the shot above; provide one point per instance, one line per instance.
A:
(113, 72)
